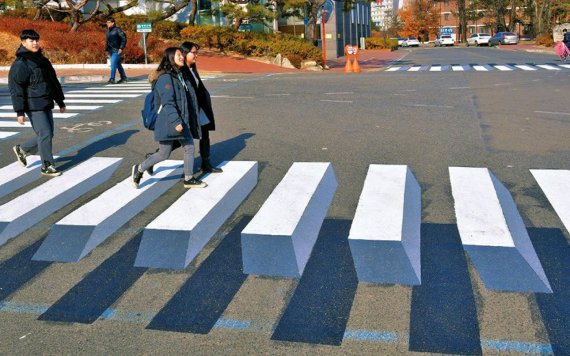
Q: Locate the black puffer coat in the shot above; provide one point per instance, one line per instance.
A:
(116, 39)
(33, 83)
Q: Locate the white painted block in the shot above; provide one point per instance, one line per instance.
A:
(26, 210)
(68, 107)
(11, 124)
(414, 69)
(101, 96)
(56, 115)
(7, 134)
(457, 68)
(393, 69)
(493, 232)
(77, 234)
(14, 176)
(91, 101)
(435, 69)
(278, 241)
(480, 68)
(567, 66)
(384, 237)
(101, 91)
(547, 67)
(525, 67)
(503, 68)
(555, 183)
(178, 235)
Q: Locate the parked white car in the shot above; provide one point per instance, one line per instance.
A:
(478, 39)
(411, 42)
(444, 40)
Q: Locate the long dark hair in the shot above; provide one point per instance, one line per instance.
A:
(168, 64)
(186, 47)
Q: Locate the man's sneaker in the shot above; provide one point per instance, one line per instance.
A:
(136, 176)
(208, 168)
(20, 155)
(50, 171)
(122, 80)
(150, 170)
(194, 183)
(111, 81)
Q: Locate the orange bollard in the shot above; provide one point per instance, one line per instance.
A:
(348, 53)
(355, 65)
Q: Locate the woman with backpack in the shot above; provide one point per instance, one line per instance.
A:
(177, 118)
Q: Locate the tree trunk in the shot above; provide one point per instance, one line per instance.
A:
(193, 11)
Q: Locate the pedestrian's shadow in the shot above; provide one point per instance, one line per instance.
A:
(229, 149)
(116, 140)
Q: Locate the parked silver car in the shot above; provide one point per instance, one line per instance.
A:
(444, 40)
(411, 42)
(503, 38)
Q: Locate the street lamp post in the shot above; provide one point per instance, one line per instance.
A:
(324, 36)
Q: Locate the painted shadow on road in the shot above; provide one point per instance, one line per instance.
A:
(553, 250)
(443, 313)
(319, 309)
(20, 269)
(100, 289)
(203, 298)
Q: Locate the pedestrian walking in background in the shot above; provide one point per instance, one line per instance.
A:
(177, 119)
(115, 46)
(34, 87)
(206, 114)
(566, 40)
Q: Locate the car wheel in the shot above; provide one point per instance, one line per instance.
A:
(467, 44)
(476, 44)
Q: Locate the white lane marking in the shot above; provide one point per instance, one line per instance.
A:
(56, 115)
(457, 68)
(552, 112)
(524, 67)
(107, 91)
(503, 68)
(6, 134)
(231, 97)
(340, 93)
(91, 101)
(414, 69)
(4, 123)
(393, 69)
(556, 186)
(68, 107)
(284, 94)
(384, 237)
(430, 106)
(480, 68)
(452, 88)
(336, 101)
(564, 65)
(547, 67)
(435, 69)
(139, 87)
(102, 95)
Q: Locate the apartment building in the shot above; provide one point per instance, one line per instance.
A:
(382, 12)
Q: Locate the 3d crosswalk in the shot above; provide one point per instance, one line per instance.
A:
(477, 67)
(77, 102)
(384, 237)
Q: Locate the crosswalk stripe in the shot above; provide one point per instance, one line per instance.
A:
(7, 134)
(457, 68)
(503, 68)
(56, 115)
(547, 66)
(435, 69)
(384, 237)
(279, 239)
(5, 123)
(480, 68)
(77, 234)
(556, 186)
(414, 69)
(565, 66)
(14, 176)
(91, 101)
(128, 85)
(68, 107)
(21, 213)
(493, 232)
(393, 69)
(101, 95)
(134, 91)
(138, 87)
(525, 67)
(172, 242)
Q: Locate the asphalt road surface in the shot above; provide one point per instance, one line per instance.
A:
(507, 121)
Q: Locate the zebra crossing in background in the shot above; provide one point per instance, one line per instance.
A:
(509, 67)
(78, 102)
(387, 224)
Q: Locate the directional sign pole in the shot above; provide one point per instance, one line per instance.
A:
(324, 37)
(144, 46)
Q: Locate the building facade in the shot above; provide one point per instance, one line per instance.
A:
(382, 12)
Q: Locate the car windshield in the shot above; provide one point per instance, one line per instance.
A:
(412, 38)
(509, 34)
(446, 36)
(484, 35)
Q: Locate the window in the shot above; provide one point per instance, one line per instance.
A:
(446, 17)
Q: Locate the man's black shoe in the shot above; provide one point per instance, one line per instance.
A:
(111, 81)
(50, 170)
(150, 169)
(20, 155)
(194, 183)
(208, 168)
(122, 80)
(136, 176)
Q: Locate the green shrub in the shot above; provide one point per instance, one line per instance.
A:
(381, 43)
(545, 39)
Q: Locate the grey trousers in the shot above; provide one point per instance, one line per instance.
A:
(42, 123)
(164, 150)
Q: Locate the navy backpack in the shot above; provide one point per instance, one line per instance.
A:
(150, 110)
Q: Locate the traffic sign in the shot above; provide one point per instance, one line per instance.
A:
(329, 8)
(144, 27)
